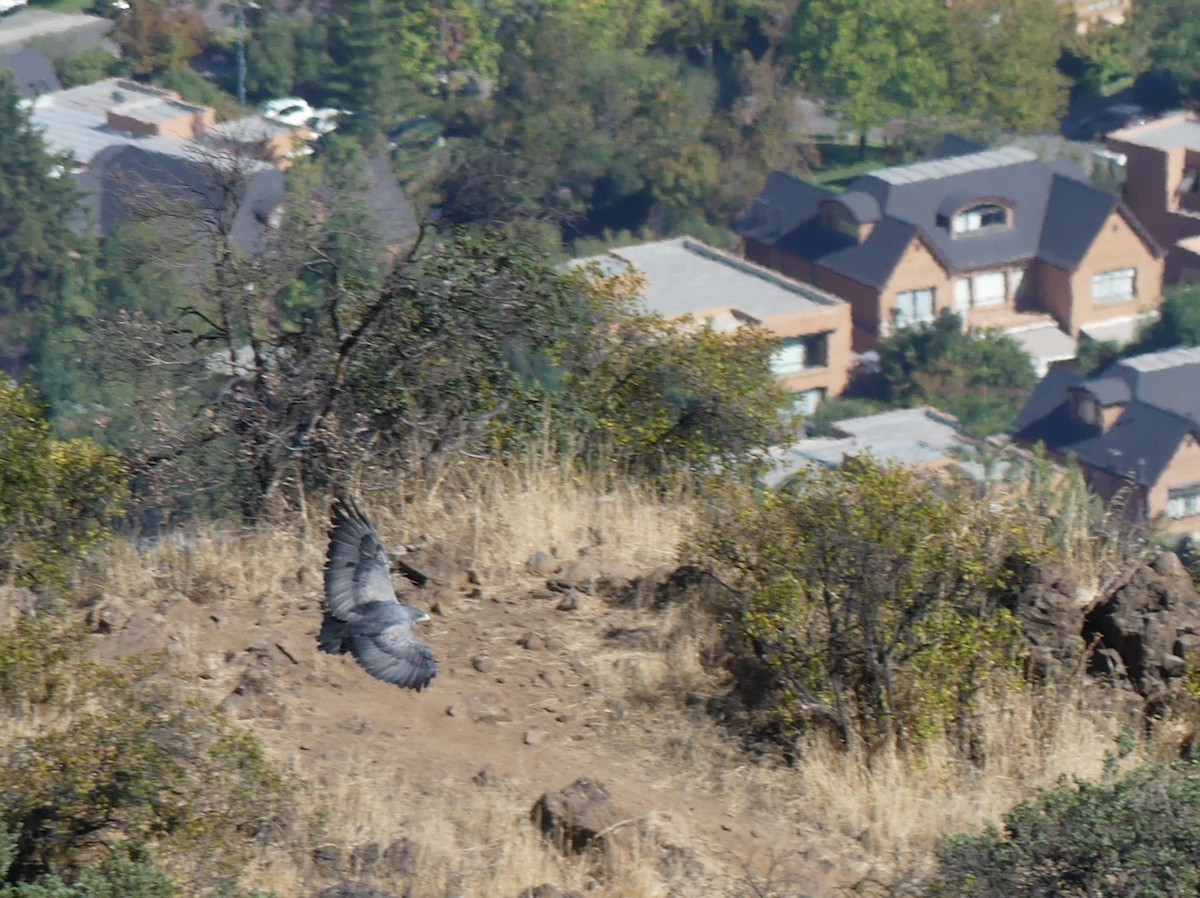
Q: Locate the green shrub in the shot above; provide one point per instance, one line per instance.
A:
(58, 498)
(1138, 836)
(873, 595)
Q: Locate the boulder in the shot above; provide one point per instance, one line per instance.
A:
(578, 817)
(1146, 628)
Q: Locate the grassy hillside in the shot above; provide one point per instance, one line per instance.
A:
(429, 794)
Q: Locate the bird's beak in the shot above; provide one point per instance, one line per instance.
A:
(423, 617)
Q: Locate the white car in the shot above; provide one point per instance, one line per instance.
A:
(325, 121)
(291, 111)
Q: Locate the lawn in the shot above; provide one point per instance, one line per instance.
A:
(63, 5)
(840, 163)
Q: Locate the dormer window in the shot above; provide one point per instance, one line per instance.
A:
(1089, 411)
(978, 218)
(842, 221)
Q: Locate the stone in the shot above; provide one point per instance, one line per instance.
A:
(533, 737)
(532, 641)
(548, 890)
(577, 817)
(542, 564)
(570, 602)
(483, 663)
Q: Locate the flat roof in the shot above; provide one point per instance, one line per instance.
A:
(953, 165)
(1179, 130)
(686, 277)
(1167, 358)
(914, 436)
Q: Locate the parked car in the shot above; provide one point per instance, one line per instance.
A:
(1123, 115)
(325, 121)
(291, 111)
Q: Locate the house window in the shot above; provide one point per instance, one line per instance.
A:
(1184, 501)
(1114, 286)
(798, 353)
(978, 218)
(914, 307)
(987, 289)
(806, 403)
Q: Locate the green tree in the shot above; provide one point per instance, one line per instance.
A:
(872, 595)
(876, 59)
(1137, 835)
(1004, 62)
(1178, 322)
(980, 377)
(57, 499)
(1165, 35)
(45, 266)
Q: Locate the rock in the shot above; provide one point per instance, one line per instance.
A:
(548, 890)
(1050, 613)
(570, 602)
(327, 858)
(534, 737)
(400, 857)
(1146, 628)
(254, 698)
(551, 678)
(364, 858)
(483, 663)
(482, 707)
(445, 602)
(542, 564)
(488, 778)
(108, 617)
(577, 817)
(532, 642)
(353, 890)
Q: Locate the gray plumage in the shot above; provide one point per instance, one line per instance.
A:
(362, 613)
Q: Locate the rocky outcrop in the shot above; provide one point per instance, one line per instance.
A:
(1147, 631)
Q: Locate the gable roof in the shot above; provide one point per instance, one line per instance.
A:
(1055, 215)
(783, 205)
(1139, 446)
(1161, 405)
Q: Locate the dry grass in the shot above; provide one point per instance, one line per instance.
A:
(477, 841)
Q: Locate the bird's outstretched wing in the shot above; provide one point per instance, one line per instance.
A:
(395, 656)
(356, 568)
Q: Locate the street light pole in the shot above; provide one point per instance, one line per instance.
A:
(241, 54)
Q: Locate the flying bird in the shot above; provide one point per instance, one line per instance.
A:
(362, 614)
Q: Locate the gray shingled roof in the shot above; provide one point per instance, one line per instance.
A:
(1056, 214)
(1161, 401)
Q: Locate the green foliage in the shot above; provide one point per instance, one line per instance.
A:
(86, 67)
(877, 59)
(871, 594)
(980, 377)
(657, 396)
(1139, 835)
(1093, 356)
(1004, 62)
(1165, 36)
(118, 876)
(195, 88)
(839, 408)
(57, 498)
(38, 659)
(45, 274)
(1178, 322)
(140, 766)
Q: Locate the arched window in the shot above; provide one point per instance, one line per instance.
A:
(985, 215)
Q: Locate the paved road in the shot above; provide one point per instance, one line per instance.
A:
(77, 32)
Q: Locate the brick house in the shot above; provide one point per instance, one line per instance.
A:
(1162, 186)
(1134, 429)
(998, 236)
(687, 279)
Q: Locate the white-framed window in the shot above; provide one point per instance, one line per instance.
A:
(1117, 285)
(987, 289)
(987, 215)
(962, 295)
(1184, 501)
(806, 403)
(798, 353)
(914, 307)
